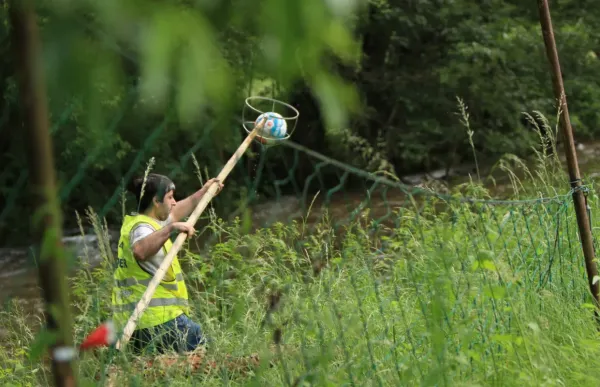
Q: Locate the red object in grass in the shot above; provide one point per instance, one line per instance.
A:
(102, 336)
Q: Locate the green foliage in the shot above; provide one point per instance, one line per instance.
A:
(130, 80)
(420, 56)
(454, 289)
(182, 50)
(415, 288)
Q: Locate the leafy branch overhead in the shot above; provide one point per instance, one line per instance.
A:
(181, 51)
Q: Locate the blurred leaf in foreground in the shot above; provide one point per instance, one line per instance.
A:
(181, 53)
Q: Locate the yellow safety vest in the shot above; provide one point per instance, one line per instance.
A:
(170, 298)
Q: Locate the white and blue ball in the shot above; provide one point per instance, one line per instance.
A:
(274, 127)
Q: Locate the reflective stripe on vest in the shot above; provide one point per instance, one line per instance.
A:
(127, 282)
(153, 302)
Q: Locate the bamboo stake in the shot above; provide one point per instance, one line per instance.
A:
(47, 217)
(166, 263)
(579, 199)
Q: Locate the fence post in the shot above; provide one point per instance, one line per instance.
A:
(579, 199)
(46, 216)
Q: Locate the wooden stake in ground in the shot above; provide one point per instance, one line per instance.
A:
(46, 213)
(579, 199)
(164, 266)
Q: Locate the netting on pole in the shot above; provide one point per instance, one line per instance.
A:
(394, 286)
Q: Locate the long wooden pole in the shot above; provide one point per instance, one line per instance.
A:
(166, 263)
(579, 199)
(46, 215)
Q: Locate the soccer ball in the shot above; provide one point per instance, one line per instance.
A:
(274, 128)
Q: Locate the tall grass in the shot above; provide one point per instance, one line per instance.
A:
(452, 293)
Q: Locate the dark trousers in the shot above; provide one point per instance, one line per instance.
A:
(180, 335)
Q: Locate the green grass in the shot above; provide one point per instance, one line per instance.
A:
(447, 293)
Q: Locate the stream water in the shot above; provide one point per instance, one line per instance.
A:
(18, 270)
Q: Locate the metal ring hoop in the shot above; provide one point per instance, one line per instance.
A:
(275, 101)
(249, 125)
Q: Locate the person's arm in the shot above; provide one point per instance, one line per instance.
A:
(185, 207)
(149, 245)
(146, 246)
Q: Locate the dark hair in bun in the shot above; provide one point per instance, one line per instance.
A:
(156, 186)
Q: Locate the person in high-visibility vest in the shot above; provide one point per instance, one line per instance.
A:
(143, 244)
